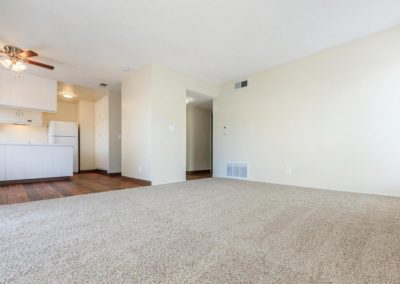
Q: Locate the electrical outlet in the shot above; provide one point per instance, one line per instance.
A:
(289, 169)
(140, 169)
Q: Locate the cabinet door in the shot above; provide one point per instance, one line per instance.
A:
(24, 91)
(20, 116)
(9, 116)
(31, 92)
(7, 80)
(30, 117)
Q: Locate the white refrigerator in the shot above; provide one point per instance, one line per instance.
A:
(65, 133)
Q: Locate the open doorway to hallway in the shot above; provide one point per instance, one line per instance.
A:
(199, 135)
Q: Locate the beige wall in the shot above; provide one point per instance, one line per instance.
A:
(154, 123)
(198, 138)
(114, 107)
(101, 126)
(37, 134)
(23, 133)
(86, 135)
(328, 121)
(65, 112)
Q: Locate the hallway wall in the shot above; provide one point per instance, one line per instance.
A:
(198, 138)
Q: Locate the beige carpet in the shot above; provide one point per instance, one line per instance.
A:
(205, 231)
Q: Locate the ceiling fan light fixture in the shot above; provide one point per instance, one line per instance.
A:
(16, 66)
(6, 62)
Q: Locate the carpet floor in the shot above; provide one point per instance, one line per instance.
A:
(204, 231)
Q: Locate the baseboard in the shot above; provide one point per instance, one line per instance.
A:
(101, 172)
(35, 180)
(139, 181)
(87, 171)
(198, 172)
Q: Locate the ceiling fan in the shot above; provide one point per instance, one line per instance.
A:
(13, 58)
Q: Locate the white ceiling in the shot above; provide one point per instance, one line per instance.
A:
(215, 40)
(82, 93)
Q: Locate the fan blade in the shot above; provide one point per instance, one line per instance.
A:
(27, 53)
(39, 64)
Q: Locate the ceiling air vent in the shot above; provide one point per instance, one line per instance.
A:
(240, 85)
(236, 170)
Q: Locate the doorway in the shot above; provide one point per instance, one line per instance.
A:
(199, 135)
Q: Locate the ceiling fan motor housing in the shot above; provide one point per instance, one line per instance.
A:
(12, 51)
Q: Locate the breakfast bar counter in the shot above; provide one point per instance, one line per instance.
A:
(21, 162)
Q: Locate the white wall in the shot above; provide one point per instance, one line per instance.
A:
(154, 123)
(101, 124)
(86, 135)
(136, 124)
(168, 126)
(114, 110)
(169, 122)
(198, 138)
(331, 119)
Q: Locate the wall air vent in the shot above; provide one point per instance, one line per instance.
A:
(236, 170)
(240, 85)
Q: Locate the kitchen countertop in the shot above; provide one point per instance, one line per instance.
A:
(33, 144)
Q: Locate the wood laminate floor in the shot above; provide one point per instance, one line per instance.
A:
(79, 184)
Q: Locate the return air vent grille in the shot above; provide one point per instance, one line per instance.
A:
(236, 170)
(240, 85)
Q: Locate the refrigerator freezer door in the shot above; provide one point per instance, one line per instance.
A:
(59, 128)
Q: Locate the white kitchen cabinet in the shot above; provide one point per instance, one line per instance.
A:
(27, 92)
(21, 117)
(35, 161)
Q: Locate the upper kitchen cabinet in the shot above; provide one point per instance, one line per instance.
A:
(21, 117)
(23, 91)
